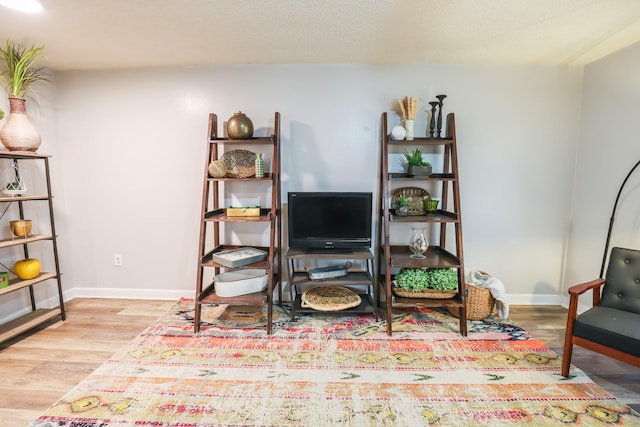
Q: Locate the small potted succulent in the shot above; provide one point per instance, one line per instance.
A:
(436, 283)
(401, 205)
(415, 164)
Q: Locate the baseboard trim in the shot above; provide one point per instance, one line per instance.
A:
(149, 294)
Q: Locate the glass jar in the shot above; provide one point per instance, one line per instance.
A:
(418, 243)
(402, 210)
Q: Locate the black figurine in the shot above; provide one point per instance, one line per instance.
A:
(432, 123)
(440, 98)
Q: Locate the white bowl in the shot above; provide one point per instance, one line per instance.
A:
(240, 282)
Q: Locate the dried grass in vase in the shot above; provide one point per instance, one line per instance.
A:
(407, 107)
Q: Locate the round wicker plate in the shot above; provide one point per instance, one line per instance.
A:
(427, 293)
(240, 163)
(329, 298)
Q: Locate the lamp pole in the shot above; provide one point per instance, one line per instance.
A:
(613, 214)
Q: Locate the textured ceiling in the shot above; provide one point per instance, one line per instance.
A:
(105, 34)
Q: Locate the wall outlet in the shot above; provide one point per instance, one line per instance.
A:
(117, 260)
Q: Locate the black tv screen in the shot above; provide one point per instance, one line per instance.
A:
(329, 220)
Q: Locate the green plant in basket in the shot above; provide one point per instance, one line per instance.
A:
(420, 279)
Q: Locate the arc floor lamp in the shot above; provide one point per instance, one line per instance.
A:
(613, 216)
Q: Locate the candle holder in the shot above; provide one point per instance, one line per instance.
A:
(432, 123)
(430, 206)
(440, 99)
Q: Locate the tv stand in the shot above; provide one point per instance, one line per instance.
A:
(360, 281)
(328, 251)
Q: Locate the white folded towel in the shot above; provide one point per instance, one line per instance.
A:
(496, 287)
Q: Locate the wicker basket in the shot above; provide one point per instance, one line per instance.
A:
(417, 194)
(239, 163)
(329, 298)
(427, 293)
(479, 303)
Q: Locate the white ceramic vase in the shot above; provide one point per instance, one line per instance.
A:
(18, 134)
(408, 125)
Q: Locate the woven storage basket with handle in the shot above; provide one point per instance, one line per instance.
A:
(479, 303)
(416, 194)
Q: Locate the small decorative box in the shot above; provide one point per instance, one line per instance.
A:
(249, 211)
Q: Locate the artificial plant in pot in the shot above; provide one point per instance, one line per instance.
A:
(401, 205)
(19, 75)
(415, 164)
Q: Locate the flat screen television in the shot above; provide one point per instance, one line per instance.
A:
(329, 221)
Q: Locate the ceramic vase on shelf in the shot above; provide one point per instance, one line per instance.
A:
(408, 126)
(418, 243)
(18, 134)
(239, 126)
(259, 166)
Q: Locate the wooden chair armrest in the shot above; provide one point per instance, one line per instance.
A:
(577, 290)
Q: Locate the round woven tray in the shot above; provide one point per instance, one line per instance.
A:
(329, 298)
(417, 195)
(427, 293)
(240, 163)
(479, 303)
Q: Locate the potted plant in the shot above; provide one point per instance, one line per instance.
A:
(401, 205)
(415, 164)
(19, 75)
(436, 283)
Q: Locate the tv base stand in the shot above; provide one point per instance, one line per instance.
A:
(359, 279)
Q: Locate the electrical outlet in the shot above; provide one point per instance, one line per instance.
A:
(117, 260)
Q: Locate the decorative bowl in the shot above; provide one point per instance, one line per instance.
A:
(20, 227)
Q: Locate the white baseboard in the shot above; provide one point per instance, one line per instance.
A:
(111, 293)
(513, 299)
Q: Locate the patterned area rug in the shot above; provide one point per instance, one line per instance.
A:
(331, 370)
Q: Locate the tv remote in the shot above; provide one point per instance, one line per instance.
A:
(327, 272)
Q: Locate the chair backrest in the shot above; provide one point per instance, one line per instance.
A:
(622, 282)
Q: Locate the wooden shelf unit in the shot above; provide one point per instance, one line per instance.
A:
(213, 215)
(361, 282)
(36, 316)
(393, 257)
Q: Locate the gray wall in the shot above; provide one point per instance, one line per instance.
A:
(609, 147)
(129, 151)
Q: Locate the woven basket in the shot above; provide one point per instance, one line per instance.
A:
(479, 303)
(417, 194)
(329, 298)
(240, 163)
(427, 293)
(217, 169)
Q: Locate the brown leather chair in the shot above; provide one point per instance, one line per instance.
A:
(612, 326)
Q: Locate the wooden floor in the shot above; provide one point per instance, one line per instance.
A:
(38, 368)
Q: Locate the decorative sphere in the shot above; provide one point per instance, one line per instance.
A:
(398, 133)
(240, 126)
(217, 169)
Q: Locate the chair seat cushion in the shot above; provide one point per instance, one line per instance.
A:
(610, 327)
